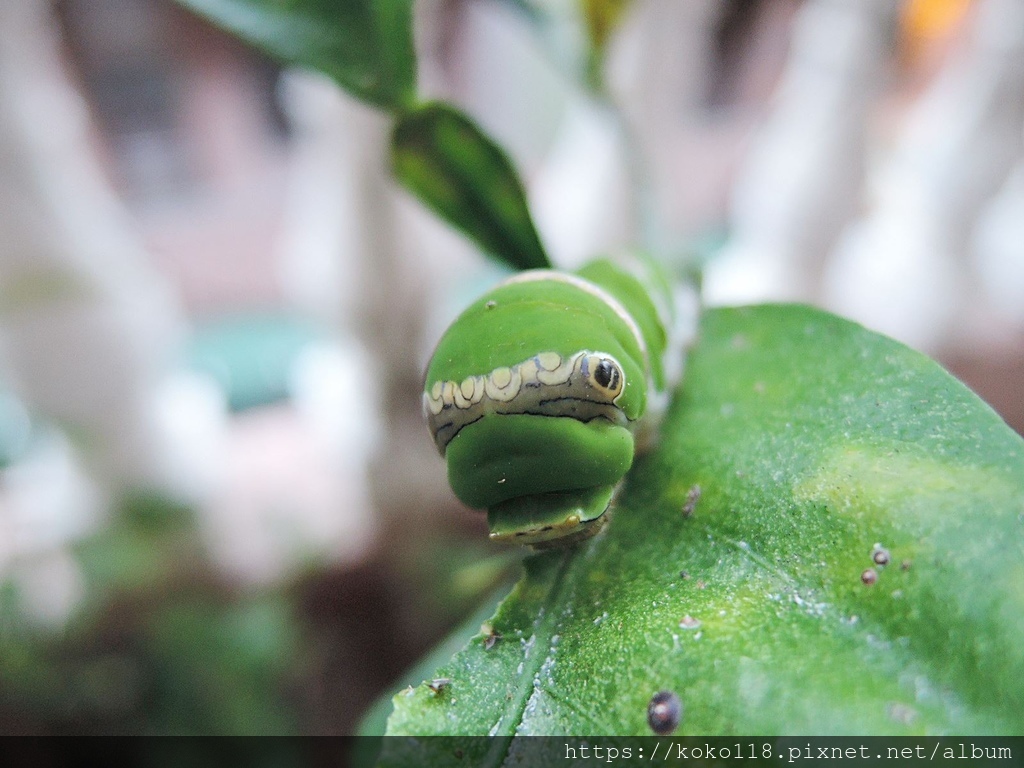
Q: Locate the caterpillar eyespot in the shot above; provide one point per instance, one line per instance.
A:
(539, 395)
(607, 375)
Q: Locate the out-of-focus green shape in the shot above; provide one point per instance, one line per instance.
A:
(437, 152)
(162, 643)
(576, 33)
(815, 445)
(218, 668)
(448, 162)
(602, 18)
(365, 45)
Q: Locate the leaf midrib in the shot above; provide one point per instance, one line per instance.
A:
(538, 653)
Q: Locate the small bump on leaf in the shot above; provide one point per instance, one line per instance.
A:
(664, 712)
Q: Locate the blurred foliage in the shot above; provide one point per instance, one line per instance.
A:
(438, 153)
(165, 642)
(576, 35)
(365, 45)
(161, 644)
(602, 18)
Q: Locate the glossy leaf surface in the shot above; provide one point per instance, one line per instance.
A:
(450, 164)
(815, 445)
(365, 45)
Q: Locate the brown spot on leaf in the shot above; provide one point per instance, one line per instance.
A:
(692, 497)
(439, 684)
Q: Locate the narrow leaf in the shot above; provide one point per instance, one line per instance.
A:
(365, 45)
(602, 18)
(451, 165)
(828, 539)
(576, 33)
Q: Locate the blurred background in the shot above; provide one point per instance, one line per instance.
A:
(220, 511)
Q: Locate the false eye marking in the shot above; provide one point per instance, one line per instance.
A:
(583, 386)
(546, 369)
(604, 374)
(432, 400)
(502, 384)
(552, 369)
(548, 361)
(469, 392)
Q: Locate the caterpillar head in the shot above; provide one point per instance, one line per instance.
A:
(541, 444)
(531, 397)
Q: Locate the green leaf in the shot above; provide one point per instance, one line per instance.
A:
(374, 722)
(451, 165)
(811, 440)
(365, 45)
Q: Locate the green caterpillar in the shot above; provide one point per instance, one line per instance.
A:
(541, 392)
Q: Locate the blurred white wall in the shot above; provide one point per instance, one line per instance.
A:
(89, 330)
(892, 232)
(908, 267)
